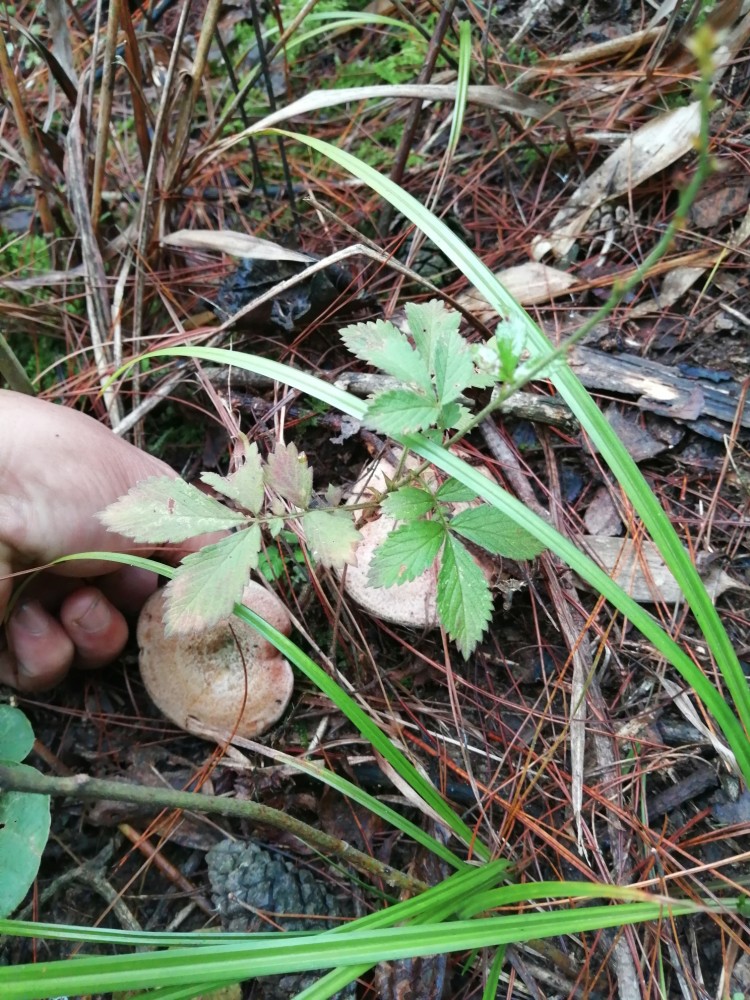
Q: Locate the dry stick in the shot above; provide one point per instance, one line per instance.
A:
(144, 216)
(28, 140)
(81, 786)
(407, 139)
(97, 300)
(105, 111)
(729, 445)
(511, 467)
(182, 129)
(135, 69)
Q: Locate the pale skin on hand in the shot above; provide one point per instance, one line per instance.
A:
(58, 468)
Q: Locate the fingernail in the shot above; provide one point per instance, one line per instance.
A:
(96, 617)
(31, 617)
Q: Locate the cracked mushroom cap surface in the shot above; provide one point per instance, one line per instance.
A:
(223, 681)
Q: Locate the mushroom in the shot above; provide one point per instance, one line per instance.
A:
(413, 603)
(223, 682)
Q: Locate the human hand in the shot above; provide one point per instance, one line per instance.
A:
(58, 468)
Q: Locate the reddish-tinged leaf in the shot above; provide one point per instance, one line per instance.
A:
(209, 583)
(245, 484)
(287, 474)
(161, 510)
(331, 537)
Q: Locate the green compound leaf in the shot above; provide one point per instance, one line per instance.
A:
(494, 531)
(288, 474)
(452, 491)
(455, 415)
(331, 537)
(428, 321)
(16, 734)
(464, 601)
(454, 367)
(407, 504)
(209, 583)
(382, 345)
(161, 510)
(400, 411)
(406, 553)
(245, 484)
(24, 829)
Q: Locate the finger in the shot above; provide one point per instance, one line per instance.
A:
(128, 588)
(96, 628)
(38, 653)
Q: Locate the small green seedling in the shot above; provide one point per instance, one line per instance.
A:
(434, 366)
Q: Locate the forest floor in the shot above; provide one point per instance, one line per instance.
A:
(535, 192)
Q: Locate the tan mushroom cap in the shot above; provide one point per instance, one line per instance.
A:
(413, 603)
(198, 680)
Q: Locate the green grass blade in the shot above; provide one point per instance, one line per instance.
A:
(372, 733)
(290, 953)
(462, 86)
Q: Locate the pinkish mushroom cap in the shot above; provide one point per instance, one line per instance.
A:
(413, 603)
(225, 681)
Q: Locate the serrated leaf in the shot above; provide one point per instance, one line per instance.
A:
(452, 491)
(407, 504)
(464, 601)
(427, 320)
(406, 553)
(453, 365)
(24, 829)
(274, 525)
(16, 734)
(288, 474)
(401, 411)
(245, 484)
(494, 531)
(455, 415)
(382, 345)
(510, 338)
(331, 537)
(209, 583)
(160, 510)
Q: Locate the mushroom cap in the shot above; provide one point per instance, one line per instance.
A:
(413, 603)
(228, 680)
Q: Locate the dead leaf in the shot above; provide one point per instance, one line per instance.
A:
(530, 284)
(650, 149)
(639, 569)
(236, 244)
(641, 444)
(602, 517)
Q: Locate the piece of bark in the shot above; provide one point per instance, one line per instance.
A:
(705, 405)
